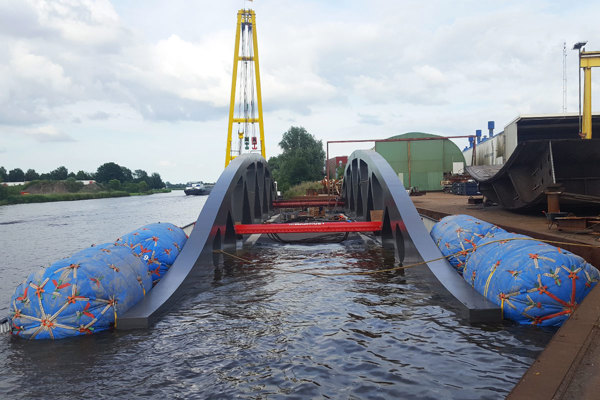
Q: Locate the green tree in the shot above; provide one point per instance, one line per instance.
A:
(31, 175)
(155, 181)
(72, 185)
(83, 176)
(108, 171)
(3, 174)
(140, 175)
(339, 171)
(127, 175)
(302, 159)
(16, 175)
(59, 174)
(143, 187)
(114, 184)
(274, 163)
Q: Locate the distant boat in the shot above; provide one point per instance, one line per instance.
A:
(198, 188)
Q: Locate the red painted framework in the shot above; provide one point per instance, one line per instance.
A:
(307, 203)
(309, 227)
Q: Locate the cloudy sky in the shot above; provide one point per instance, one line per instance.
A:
(146, 83)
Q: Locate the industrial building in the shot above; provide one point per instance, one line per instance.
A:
(333, 164)
(421, 159)
(495, 149)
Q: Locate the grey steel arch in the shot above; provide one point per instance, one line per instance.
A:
(371, 184)
(244, 193)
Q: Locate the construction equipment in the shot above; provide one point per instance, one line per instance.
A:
(249, 104)
(587, 60)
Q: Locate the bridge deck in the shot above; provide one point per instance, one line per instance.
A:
(311, 227)
(307, 203)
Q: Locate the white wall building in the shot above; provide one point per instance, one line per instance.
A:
(495, 149)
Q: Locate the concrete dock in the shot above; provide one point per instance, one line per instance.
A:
(569, 367)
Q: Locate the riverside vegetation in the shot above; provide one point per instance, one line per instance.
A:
(110, 180)
(68, 190)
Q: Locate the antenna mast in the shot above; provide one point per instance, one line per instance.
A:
(564, 80)
(249, 104)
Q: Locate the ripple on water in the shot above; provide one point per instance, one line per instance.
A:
(264, 331)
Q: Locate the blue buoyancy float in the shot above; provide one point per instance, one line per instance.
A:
(457, 235)
(157, 244)
(533, 282)
(79, 295)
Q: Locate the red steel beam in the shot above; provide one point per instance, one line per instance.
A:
(309, 227)
(305, 203)
(400, 139)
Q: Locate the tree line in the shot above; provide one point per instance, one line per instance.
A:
(109, 173)
(302, 160)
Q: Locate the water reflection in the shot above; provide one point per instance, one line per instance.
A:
(262, 329)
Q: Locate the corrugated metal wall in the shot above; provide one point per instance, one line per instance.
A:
(420, 163)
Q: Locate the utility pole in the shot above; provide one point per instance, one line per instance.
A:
(564, 93)
(577, 46)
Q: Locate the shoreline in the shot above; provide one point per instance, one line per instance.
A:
(54, 197)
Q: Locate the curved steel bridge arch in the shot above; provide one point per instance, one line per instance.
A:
(370, 184)
(244, 193)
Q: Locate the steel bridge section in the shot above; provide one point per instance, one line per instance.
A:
(371, 184)
(243, 194)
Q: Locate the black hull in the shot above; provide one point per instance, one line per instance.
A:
(571, 166)
(196, 192)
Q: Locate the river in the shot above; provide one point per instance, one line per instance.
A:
(259, 331)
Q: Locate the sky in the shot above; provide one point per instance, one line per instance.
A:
(146, 83)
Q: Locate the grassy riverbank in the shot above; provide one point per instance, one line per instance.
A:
(61, 192)
(44, 198)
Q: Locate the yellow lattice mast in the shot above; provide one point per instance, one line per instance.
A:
(249, 104)
(587, 60)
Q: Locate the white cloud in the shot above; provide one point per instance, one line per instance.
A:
(87, 22)
(431, 75)
(99, 115)
(156, 75)
(195, 71)
(47, 134)
(38, 70)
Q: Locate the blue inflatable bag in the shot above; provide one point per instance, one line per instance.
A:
(79, 295)
(460, 234)
(157, 244)
(533, 282)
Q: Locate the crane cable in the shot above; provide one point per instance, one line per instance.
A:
(251, 53)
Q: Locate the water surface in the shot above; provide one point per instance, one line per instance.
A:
(261, 329)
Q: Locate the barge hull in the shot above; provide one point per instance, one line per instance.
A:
(568, 166)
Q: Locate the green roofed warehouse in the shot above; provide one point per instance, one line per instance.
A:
(421, 162)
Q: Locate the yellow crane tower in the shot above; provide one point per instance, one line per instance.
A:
(587, 60)
(246, 53)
